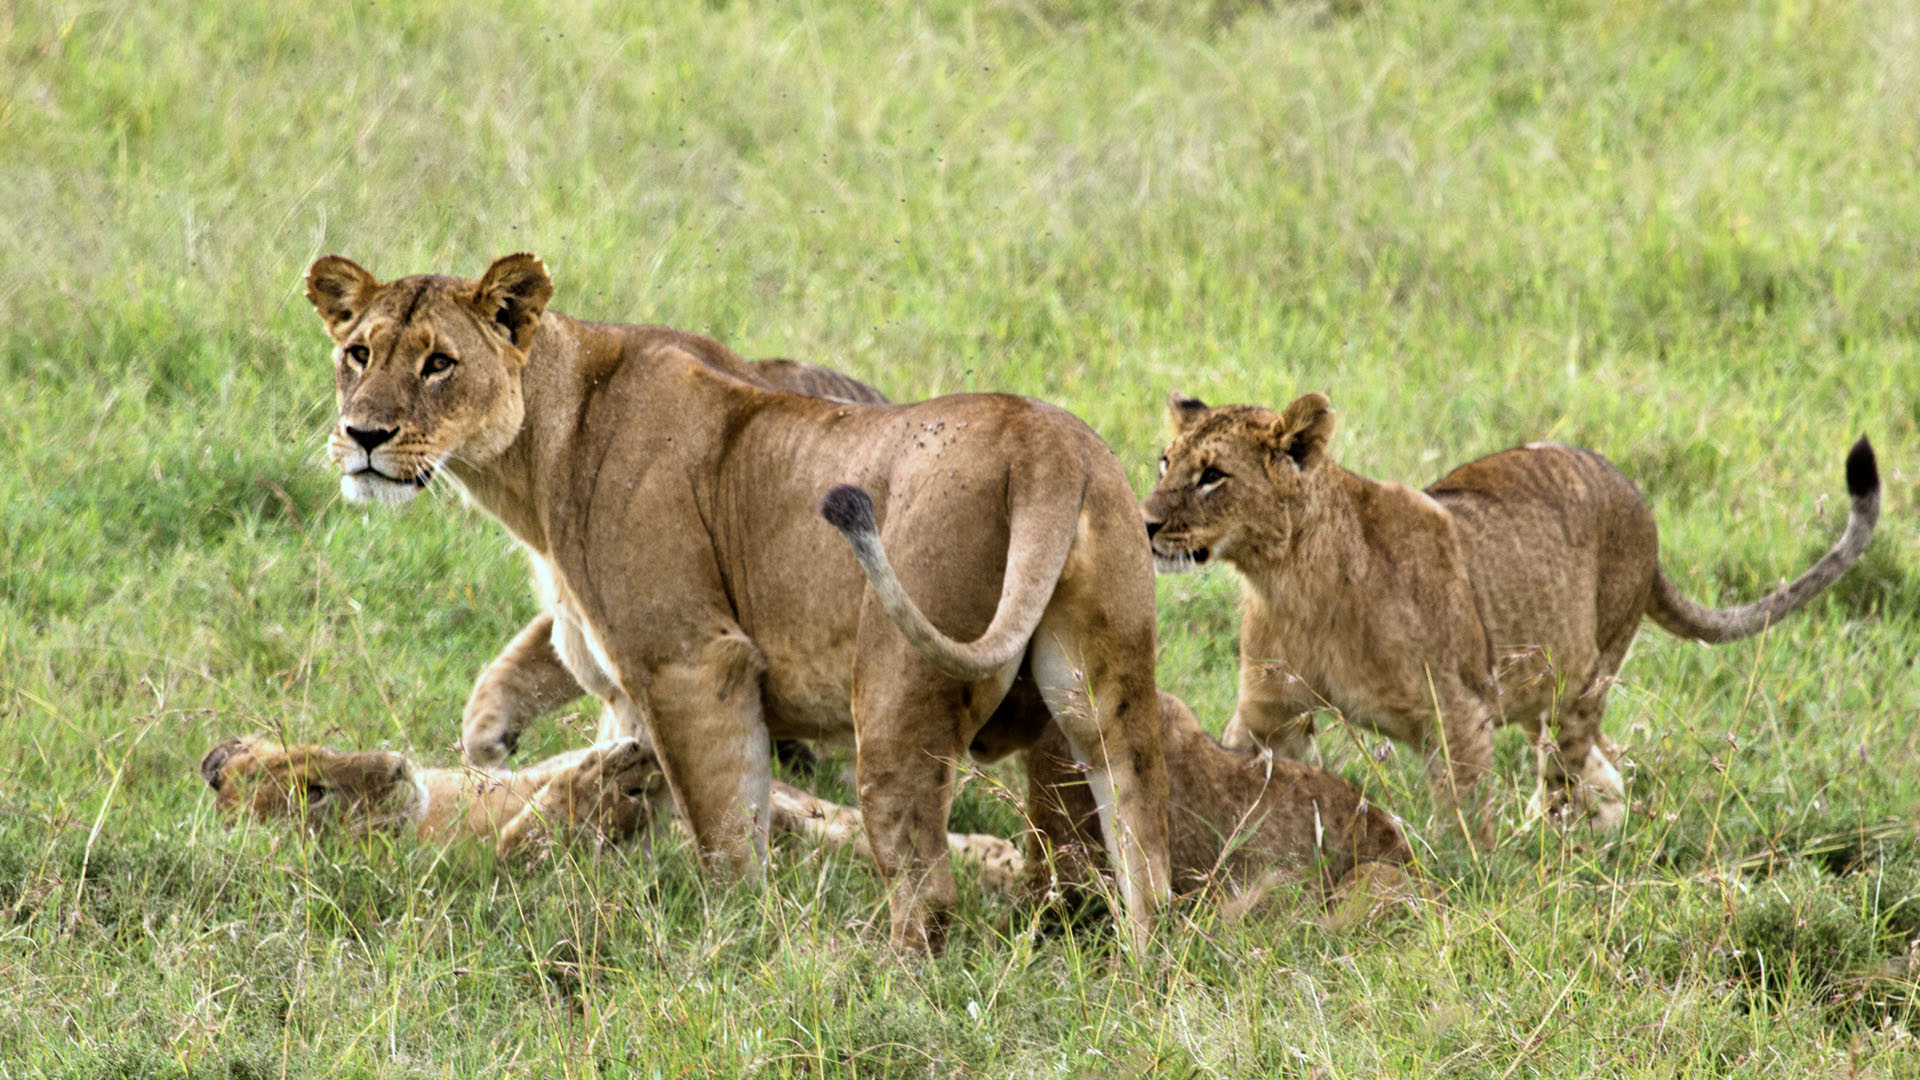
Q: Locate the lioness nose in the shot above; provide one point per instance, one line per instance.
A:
(1153, 527)
(368, 438)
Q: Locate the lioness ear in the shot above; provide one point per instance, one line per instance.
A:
(512, 294)
(1302, 431)
(216, 760)
(1183, 412)
(340, 290)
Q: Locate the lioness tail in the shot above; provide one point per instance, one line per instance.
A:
(1678, 615)
(1032, 570)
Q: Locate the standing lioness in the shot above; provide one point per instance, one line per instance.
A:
(1507, 592)
(668, 503)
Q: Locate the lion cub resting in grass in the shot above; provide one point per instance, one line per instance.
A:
(610, 792)
(1239, 821)
(1506, 593)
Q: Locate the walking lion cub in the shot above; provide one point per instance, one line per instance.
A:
(1506, 593)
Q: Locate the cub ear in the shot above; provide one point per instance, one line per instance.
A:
(1302, 431)
(512, 294)
(340, 290)
(216, 760)
(1183, 412)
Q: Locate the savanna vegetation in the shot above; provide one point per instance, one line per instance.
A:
(1686, 234)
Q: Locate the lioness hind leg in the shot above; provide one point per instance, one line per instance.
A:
(908, 720)
(1102, 696)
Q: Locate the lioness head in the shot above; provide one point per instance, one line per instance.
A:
(312, 785)
(427, 368)
(1235, 480)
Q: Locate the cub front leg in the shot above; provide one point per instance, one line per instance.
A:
(613, 792)
(524, 681)
(1275, 711)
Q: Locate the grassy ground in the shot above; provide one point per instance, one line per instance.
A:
(1685, 234)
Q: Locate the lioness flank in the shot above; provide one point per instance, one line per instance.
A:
(1507, 592)
(668, 503)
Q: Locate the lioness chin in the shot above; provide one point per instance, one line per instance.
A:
(1506, 593)
(668, 502)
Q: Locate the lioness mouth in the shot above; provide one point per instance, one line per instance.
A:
(418, 479)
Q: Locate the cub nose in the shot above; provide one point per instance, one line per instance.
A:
(368, 438)
(1153, 527)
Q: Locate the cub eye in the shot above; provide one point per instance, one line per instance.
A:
(1211, 477)
(357, 355)
(1163, 465)
(437, 363)
(316, 792)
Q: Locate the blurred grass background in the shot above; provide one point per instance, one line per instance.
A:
(1684, 234)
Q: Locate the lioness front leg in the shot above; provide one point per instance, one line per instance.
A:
(524, 681)
(711, 738)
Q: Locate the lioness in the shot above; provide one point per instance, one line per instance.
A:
(1507, 592)
(667, 502)
(611, 792)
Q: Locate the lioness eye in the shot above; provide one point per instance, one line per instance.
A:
(357, 355)
(315, 793)
(1211, 477)
(437, 363)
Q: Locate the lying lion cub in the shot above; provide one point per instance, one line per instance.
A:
(1507, 592)
(1238, 820)
(610, 792)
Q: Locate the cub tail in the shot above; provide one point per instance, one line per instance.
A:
(1035, 558)
(1682, 617)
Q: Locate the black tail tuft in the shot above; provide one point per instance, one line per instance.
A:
(850, 510)
(1863, 475)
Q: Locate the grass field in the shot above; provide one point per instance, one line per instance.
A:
(1685, 234)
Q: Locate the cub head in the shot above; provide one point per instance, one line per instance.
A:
(1236, 482)
(313, 786)
(426, 368)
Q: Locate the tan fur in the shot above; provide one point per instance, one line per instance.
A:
(1241, 822)
(1507, 592)
(668, 501)
(609, 791)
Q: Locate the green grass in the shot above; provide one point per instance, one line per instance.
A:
(1684, 234)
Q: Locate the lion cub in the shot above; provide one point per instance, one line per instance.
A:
(1506, 593)
(610, 792)
(1239, 819)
